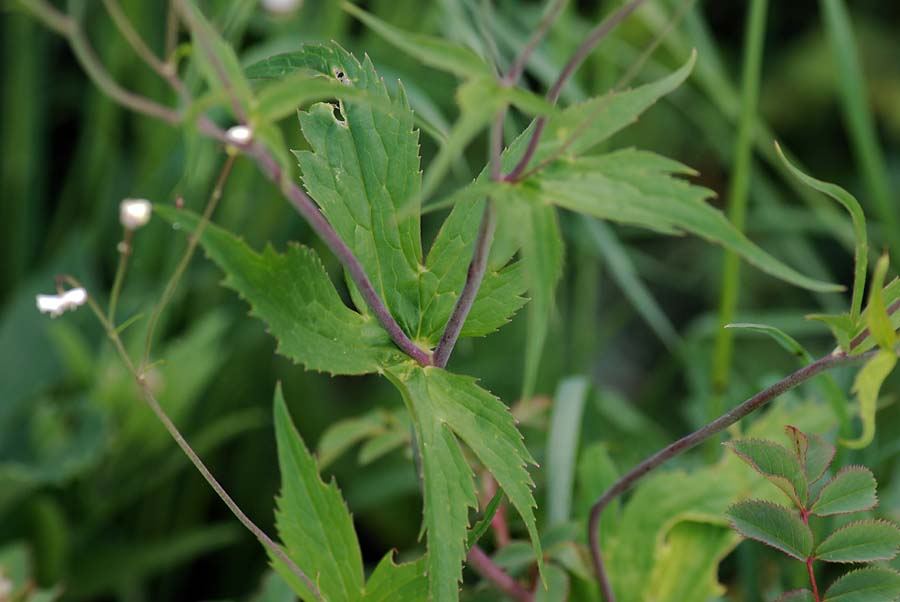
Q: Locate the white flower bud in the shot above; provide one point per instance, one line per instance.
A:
(239, 135)
(135, 213)
(281, 7)
(56, 305)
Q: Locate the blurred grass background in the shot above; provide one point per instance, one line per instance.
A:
(91, 488)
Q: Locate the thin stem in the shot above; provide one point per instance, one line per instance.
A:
(194, 239)
(581, 53)
(135, 40)
(804, 516)
(124, 254)
(171, 34)
(307, 208)
(518, 67)
(141, 382)
(738, 192)
(484, 566)
(628, 481)
(480, 254)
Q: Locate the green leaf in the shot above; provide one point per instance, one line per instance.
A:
(859, 228)
(873, 584)
(842, 327)
(867, 386)
(216, 59)
(773, 525)
(815, 453)
(786, 341)
(580, 127)
(687, 568)
(557, 585)
(852, 489)
(282, 98)
(390, 581)
(445, 406)
(861, 541)
(879, 321)
(638, 188)
(434, 52)
(312, 520)
(865, 341)
(363, 167)
(776, 463)
(481, 527)
(797, 595)
(292, 294)
(537, 226)
(501, 292)
(562, 446)
(344, 434)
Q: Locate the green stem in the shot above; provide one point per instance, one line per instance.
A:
(737, 200)
(124, 254)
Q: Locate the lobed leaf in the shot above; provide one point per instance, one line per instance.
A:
(638, 188)
(873, 584)
(312, 520)
(861, 541)
(776, 463)
(361, 169)
(292, 294)
(852, 489)
(773, 525)
(445, 406)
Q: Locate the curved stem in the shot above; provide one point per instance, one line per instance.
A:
(628, 481)
(515, 72)
(124, 254)
(141, 382)
(484, 566)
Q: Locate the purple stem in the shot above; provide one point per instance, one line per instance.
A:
(597, 34)
(484, 566)
(515, 72)
(628, 481)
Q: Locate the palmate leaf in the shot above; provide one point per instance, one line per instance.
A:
(390, 581)
(861, 541)
(445, 406)
(292, 294)
(772, 525)
(852, 489)
(313, 521)
(638, 188)
(873, 584)
(776, 463)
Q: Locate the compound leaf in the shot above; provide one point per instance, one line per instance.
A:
(312, 520)
(772, 525)
(292, 294)
(815, 453)
(852, 489)
(861, 541)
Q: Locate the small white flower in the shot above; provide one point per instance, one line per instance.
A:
(135, 213)
(239, 135)
(56, 305)
(281, 7)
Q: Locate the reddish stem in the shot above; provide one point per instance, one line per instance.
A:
(804, 515)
